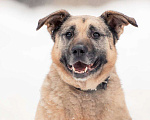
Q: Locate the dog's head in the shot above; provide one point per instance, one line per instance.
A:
(84, 49)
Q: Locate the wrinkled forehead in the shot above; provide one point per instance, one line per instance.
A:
(83, 23)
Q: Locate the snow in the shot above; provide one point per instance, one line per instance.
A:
(25, 56)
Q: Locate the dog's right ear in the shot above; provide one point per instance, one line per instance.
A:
(53, 21)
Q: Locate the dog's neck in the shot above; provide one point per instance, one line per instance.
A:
(102, 85)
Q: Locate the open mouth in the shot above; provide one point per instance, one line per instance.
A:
(82, 68)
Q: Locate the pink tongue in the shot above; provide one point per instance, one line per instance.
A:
(80, 66)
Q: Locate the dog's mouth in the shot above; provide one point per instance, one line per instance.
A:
(81, 70)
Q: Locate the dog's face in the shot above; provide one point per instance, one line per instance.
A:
(84, 45)
(84, 41)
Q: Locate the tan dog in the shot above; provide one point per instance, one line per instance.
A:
(84, 57)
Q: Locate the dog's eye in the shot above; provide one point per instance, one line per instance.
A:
(95, 35)
(69, 35)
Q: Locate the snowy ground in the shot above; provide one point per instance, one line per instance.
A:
(25, 56)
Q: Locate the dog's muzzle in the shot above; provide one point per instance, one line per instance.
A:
(81, 62)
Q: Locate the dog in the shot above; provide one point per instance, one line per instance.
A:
(82, 83)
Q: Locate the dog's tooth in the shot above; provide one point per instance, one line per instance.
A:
(85, 69)
(73, 68)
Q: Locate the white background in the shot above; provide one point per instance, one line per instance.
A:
(25, 56)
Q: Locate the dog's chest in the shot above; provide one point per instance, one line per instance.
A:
(79, 105)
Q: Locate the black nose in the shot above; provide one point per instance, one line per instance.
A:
(79, 50)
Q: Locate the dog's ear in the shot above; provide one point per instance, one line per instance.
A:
(53, 21)
(116, 22)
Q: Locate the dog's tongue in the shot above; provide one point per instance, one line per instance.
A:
(79, 66)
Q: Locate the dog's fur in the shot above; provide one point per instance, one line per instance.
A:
(60, 98)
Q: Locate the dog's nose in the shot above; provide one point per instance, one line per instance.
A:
(79, 50)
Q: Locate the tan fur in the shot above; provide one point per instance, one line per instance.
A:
(60, 100)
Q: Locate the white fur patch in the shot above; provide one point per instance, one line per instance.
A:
(80, 79)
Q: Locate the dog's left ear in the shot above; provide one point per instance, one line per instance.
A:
(53, 21)
(116, 22)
